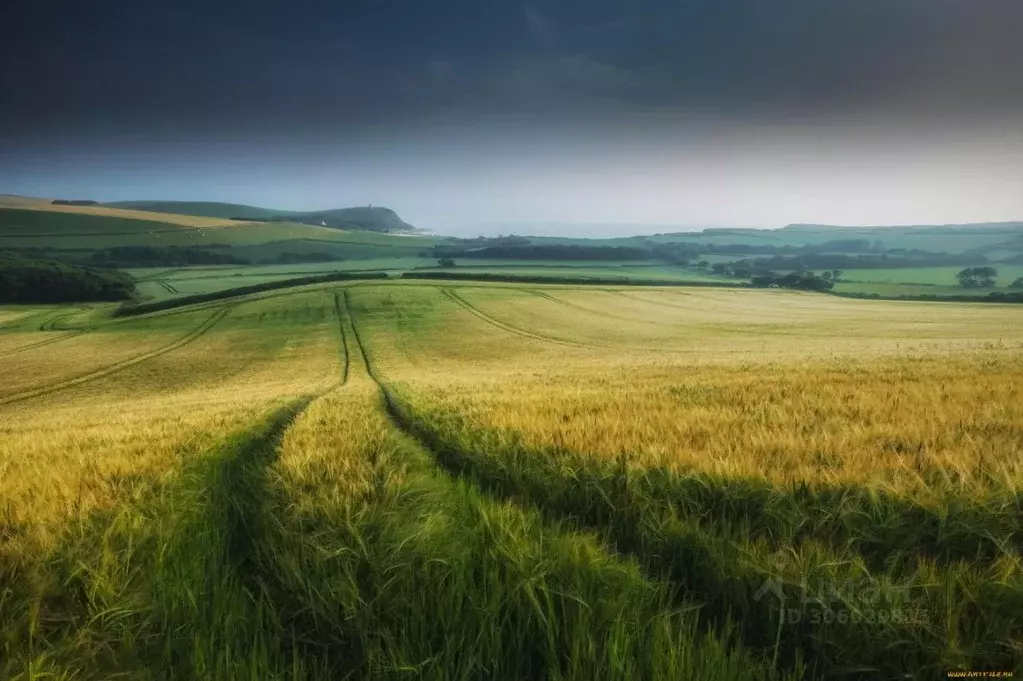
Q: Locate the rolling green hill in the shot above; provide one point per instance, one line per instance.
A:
(17, 223)
(982, 238)
(375, 219)
(215, 209)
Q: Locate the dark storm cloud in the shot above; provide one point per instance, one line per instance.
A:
(209, 67)
(458, 113)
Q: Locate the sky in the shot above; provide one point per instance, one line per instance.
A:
(551, 116)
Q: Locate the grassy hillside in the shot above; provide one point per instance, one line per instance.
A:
(47, 205)
(215, 209)
(369, 218)
(449, 480)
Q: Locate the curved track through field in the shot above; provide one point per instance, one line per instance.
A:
(338, 306)
(192, 335)
(51, 324)
(504, 326)
(42, 343)
(600, 313)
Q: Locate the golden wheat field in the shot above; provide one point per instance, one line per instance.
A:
(452, 481)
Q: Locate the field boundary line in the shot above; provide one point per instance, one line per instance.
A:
(458, 300)
(244, 291)
(192, 308)
(192, 335)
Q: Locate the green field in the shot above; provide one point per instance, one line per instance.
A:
(922, 281)
(935, 276)
(456, 481)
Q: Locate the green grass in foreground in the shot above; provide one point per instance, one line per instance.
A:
(748, 553)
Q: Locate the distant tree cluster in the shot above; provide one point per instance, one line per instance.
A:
(73, 202)
(1017, 283)
(32, 280)
(483, 241)
(674, 252)
(805, 281)
(161, 256)
(846, 246)
(977, 277)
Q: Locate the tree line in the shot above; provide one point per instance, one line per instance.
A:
(33, 280)
(161, 256)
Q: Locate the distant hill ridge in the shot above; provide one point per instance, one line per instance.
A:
(967, 225)
(370, 218)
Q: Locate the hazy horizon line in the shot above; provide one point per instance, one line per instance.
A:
(660, 227)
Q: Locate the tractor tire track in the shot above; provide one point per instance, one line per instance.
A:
(51, 323)
(160, 275)
(457, 467)
(42, 343)
(632, 296)
(458, 300)
(344, 336)
(598, 313)
(192, 335)
(358, 342)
